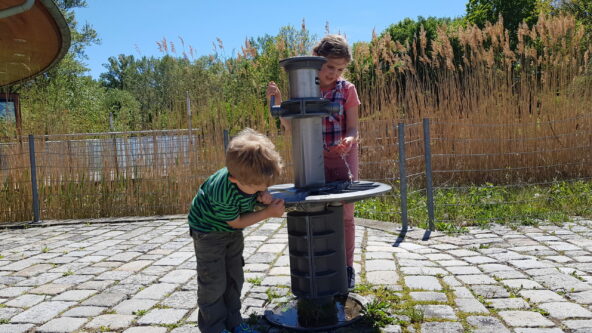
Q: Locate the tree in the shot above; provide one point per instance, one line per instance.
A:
(513, 12)
(581, 9)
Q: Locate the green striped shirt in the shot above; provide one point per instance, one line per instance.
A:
(217, 202)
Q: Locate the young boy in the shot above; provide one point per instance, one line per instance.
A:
(222, 207)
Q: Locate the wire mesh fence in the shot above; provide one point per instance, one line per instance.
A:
(444, 174)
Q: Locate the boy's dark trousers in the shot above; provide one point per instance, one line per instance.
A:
(220, 279)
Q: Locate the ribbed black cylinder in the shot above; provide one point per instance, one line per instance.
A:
(317, 253)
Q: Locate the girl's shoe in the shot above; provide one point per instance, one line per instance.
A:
(244, 328)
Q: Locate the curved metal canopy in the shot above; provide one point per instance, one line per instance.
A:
(34, 36)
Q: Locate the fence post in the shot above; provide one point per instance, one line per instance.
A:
(428, 171)
(402, 176)
(189, 120)
(226, 139)
(114, 139)
(34, 191)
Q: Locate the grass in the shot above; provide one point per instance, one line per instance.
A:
(456, 209)
(256, 281)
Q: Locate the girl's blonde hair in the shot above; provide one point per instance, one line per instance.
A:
(333, 46)
(252, 159)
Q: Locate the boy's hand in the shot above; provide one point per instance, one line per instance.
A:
(276, 208)
(264, 198)
(345, 145)
(273, 90)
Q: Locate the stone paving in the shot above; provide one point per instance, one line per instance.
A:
(138, 276)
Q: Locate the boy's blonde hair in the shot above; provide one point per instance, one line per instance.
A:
(333, 46)
(251, 158)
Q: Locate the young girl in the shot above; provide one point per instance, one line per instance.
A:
(340, 131)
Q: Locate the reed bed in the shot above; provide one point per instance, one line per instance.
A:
(500, 114)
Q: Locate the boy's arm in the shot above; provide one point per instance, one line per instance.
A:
(274, 209)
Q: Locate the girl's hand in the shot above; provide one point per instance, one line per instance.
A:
(276, 208)
(273, 90)
(345, 145)
(264, 198)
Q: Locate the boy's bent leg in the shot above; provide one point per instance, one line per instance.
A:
(210, 254)
(234, 279)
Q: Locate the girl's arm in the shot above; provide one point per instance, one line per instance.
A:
(273, 90)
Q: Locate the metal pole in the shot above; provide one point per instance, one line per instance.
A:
(34, 191)
(402, 176)
(226, 139)
(428, 167)
(189, 121)
(114, 139)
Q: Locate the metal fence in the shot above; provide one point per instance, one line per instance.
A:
(430, 164)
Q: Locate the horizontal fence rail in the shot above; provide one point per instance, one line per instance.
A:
(444, 174)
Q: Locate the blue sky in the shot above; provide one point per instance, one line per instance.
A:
(133, 27)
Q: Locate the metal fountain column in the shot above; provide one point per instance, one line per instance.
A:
(315, 228)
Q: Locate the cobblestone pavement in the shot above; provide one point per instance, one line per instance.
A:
(139, 276)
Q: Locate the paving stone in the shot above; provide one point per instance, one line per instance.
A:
(490, 291)
(564, 310)
(578, 324)
(16, 328)
(382, 277)
(507, 303)
(146, 329)
(280, 271)
(181, 300)
(478, 260)
(7, 313)
(463, 270)
(563, 282)
(41, 312)
(422, 282)
(462, 292)
(26, 301)
(539, 330)
(423, 271)
(63, 324)
(584, 297)
(479, 279)
(187, 329)
(134, 266)
(162, 316)
(33, 270)
(525, 319)
(50, 289)
(428, 296)
(104, 299)
(13, 291)
(437, 311)
(486, 324)
(130, 306)
(156, 291)
(522, 284)
(178, 276)
(111, 321)
(470, 305)
(74, 295)
(84, 311)
(541, 296)
(380, 265)
(438, 327)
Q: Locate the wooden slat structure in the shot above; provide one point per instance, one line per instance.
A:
(31, 41)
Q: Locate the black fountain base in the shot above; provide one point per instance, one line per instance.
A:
(312, 315)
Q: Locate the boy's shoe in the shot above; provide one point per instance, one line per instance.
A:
(244, 328)
(351, 278)
(225, 331)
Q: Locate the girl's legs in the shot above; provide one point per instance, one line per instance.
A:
(336, 169)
